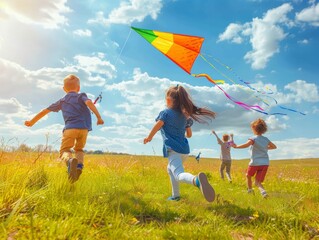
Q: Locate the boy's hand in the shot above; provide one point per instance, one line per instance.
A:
(146, 140)
(28, 123)
(213, 131)
(99, 121)
(231, 135)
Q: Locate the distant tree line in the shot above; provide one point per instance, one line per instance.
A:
(47, 148)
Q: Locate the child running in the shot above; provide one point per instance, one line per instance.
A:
(259, 160)
(75, 109)
(225, 146)
(174, 122)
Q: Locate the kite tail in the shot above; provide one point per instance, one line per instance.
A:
(242, 104)
(247, 84)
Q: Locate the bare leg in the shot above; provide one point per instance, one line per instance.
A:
(261, 188)
(249, 182)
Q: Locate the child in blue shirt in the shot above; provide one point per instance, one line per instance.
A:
(76, 113)
(174, 122)
(259, 160)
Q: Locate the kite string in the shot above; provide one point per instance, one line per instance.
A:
(99, 98)
(119, 55)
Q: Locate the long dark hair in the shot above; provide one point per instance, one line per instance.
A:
(182, 102)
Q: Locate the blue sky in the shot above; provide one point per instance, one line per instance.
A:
(271, 44)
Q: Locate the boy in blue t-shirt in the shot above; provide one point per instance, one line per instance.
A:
(75, 109)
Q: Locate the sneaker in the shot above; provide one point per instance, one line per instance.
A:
(264, 194)
(207, 190)
(250, 191)
(174, 198)
(72, 169)
(79, 169)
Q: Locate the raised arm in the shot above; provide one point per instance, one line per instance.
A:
(231, 137)
(218, 139)
(92, 107)
(154, 130)
(37, 117)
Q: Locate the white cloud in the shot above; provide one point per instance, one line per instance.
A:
(286, 149)
(303, 91)
(13, 108)
(96, 68)
(304, 41)
(232, 33)
(275, 124)
(309, 15)
(130, 11)
(47, 13)
(82, 32)
(46, 83)
(265, 35)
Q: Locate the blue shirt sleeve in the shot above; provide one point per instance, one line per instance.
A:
(55, 107)
(162, 116)
(84, 97)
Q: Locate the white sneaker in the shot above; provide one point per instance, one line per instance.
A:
(250, 191)
(264, 194)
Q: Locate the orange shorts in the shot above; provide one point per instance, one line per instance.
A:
(260, 172)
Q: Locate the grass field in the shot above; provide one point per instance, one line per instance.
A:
(124, 197)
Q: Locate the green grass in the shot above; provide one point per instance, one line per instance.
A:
(124, 197)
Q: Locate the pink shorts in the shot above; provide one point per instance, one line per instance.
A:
(260, 172)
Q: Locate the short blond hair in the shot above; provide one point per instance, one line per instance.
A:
(71, 82)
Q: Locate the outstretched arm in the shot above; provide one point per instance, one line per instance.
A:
(245, 145)
(154, 130)
(218, 139)
(37, 117)
(92, 107)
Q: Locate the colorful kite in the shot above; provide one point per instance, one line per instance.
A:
(184, 49)
(181, 49)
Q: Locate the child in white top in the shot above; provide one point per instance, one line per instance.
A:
(225, 146)
(259, 160)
